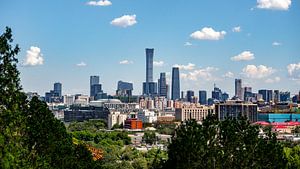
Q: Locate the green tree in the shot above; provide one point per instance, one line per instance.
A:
(149, 137)
(232, 143)
(12, 104)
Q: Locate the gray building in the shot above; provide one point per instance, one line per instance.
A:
(149, 71)
(203, 97)
(235, 109)
(94, 80)
(124, 89)
(162, 85)
(175, 84)
(239, 89)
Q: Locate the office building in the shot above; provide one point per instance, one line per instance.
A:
(285, 96)
(216, 93)
(239, 89)
(235, 109)
(94, 80)
(58, 88)
(190, 95)
(162, 85)
(124, 89)
(225, 96)
(267, 95)
(69, 99)
(175, 84)
(202, 97)
(276, 96)
(248, 95)
(193, 111)
(149, 71)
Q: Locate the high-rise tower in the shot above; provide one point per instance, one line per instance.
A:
(238, 89)
(149, 87)
(162, 85)
(58, 88)
(175, 84)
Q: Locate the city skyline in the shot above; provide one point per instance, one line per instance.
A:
(211, 42)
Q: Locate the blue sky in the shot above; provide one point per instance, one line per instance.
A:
(212, 41)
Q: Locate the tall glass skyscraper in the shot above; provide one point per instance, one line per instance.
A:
(58, 88)
(162, 85)
(175, 84)
(149, 85)
(238, 89)
(203, 97)
(94, 80)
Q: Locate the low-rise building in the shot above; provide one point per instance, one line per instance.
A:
(147, 116)
(133, 123)
(116, 118)
(193, 111)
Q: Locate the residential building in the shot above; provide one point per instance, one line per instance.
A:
(116, 117)
(147, 116)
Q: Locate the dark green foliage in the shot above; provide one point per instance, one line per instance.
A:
(30, 136)
(90, 125)
(12, 105)
(149, 137)
(227, 144)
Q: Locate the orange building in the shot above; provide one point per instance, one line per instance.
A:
(133, 123)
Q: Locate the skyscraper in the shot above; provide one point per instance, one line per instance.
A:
(175, 84)
(149, 71)
(238, 89)
(124, 89)
(190, 95)
(58, 88)
(202, 97)
(267, 95)
(93, 80)
(162, 85)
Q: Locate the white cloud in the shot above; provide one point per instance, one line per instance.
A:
(228, 75)
(294, 70)
(236, 29)
(81, 64)
(203, 74)
(124, 21)
(208, 34)
(125, 62)
(274, 4)
(188, 44)
(100, 3)
(257, 72)
(34, 57)
(244, 56)
(275, 80)
(189, 66)
(276, 43)
(158, 63)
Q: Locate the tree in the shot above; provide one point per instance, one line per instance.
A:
(232, 143)
(12, 105)
(149, 137)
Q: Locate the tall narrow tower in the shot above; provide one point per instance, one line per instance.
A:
(175, 84)
(238, 89)
(149, 71)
